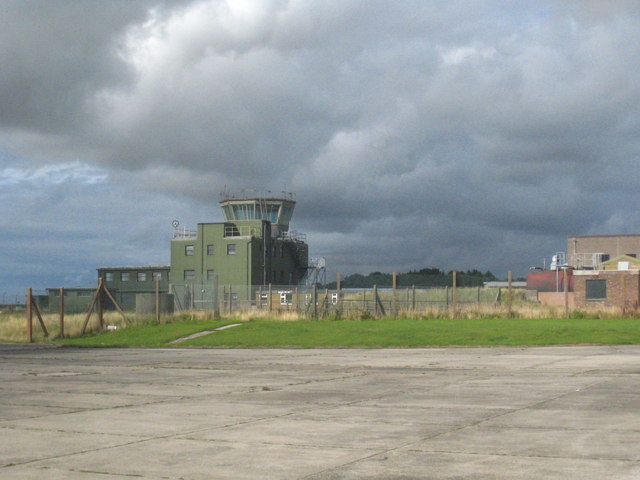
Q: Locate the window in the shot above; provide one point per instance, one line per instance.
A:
(596, 290)
(632, 255)
(211, 274)
(189, 275)
(188, 250)
(108, 277)
(156, 276)
(142, 276)
(605, 257)
(124, 276)
(85, 293)
(211, 250)
(231, 249)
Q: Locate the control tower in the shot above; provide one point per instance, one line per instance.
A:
(276, 209)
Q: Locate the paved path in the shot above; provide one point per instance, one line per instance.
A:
(458, 413)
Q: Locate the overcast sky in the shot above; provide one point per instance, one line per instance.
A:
(457, 134)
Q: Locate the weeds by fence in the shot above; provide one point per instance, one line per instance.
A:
(279, 301)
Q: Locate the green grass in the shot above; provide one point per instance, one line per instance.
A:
(143, 335)
(400, 332)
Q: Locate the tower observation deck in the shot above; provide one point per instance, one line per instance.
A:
(277, 209)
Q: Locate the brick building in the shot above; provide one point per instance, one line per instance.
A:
(606, 288)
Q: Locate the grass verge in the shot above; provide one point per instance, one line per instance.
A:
(399, 332)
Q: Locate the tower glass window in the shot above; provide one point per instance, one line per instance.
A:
(189, 250)
(142, 276)
(124, 276)
(231, 249)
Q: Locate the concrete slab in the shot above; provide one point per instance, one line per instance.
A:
(477, 413)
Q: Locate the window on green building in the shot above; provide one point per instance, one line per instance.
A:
(156, 276)
(108, 277)
(142, 276)
(596, 290)
(231, 249)
(211, 250)
(189, 275)
(211, 274)
(124, 276)
(189, 250)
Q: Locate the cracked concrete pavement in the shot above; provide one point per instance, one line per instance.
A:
(330, 414)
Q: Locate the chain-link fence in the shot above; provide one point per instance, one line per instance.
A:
(319, 301)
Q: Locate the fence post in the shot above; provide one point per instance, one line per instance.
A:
(413, 298)
(314, 299)
(157, 300)
(260, 297)
(100, 304)
(394, 296)
(230, 300)
(454, 298)
(61, 312)
(478, 295)
(375, 299)
(339, 293)
(446, 294)
(270, 299)
(510, 301)
(216, 297)
(29, 317)
(566, 291)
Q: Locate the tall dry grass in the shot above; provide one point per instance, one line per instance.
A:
(13, 326)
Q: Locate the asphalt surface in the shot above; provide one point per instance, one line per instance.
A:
(456, 413)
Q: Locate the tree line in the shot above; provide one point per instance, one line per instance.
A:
(425, 277)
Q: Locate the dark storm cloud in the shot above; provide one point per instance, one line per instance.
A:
(457, 134)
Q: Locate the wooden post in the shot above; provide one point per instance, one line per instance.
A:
(100, 304)
(510, 300)
(297, 300)
(61, 312)
(314, 300)
(216, 297)
(454, 298)
(478, 296)
(270, 299)
(157, 300)
(230, 300)
(339, 293)
(260, 297)
(565, 281)
(394, 294)
(413, 298)
(29, 317)
(446, 294)
(375, 299)
(364, 299)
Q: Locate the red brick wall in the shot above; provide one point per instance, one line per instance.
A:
(623, 289)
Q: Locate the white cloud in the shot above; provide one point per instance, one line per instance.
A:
(73, 172)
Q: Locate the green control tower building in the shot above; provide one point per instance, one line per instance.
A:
(252, 247)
